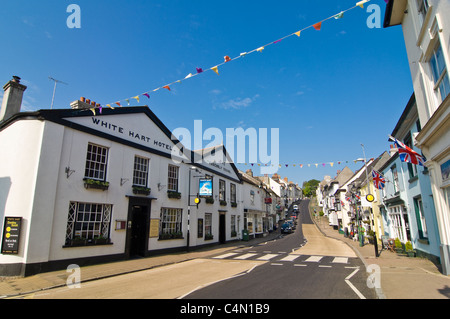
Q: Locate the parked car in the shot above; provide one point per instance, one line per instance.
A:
(286, 228)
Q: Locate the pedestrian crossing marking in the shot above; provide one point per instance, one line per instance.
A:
(314, 259)
(340, 260)
(290, 258)
(267, 257)
(246, 256)
(225, 256)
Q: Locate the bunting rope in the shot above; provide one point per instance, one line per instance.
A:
(317, 26)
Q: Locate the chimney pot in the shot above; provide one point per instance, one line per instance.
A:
(12, 98)
(82, 99)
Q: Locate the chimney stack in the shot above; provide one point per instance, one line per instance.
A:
(12, 98)
(83, 103)
(249, 172)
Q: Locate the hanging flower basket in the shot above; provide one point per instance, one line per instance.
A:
(139, 190)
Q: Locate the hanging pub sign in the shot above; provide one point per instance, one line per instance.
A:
(205, 187)
(11, 235)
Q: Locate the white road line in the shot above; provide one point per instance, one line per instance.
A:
(347, 280)
(300, 265)
(324, 266)
(314, 259)
(225, 256)
(267, 257)
(340, 260)
(246, 256)
(276, 264)
(290, 258)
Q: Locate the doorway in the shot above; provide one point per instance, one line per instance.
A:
(138, 230)
(222, 229)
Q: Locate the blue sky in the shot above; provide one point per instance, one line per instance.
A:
(327, 91)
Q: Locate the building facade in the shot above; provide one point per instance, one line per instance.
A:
(426, 30)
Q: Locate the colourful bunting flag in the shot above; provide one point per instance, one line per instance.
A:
(136, 97)
(166, 87)
(339, 15)
(188, 76)
(317, 26)
(298, 33)
(361, 3)
(215, 69)
(199, 70)
(93, 110)
(109, 105)
(147, 95)
(276, 41)
(260, 49)
(227, 58)
(128, 101)
(118, 104)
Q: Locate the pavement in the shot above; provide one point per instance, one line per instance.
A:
(401, 277)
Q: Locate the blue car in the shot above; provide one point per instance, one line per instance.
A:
(286, 228)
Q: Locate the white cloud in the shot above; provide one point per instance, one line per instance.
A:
(239, 103)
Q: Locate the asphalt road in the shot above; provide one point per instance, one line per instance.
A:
(292, 276)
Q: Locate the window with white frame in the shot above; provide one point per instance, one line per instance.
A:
(395, 177)
(233, 224)
(96, 162)
(221, 189)
(208, 224)
(440, 72)
(233, 193)
(171, 221)
(420, 217)
(172, 182)
(395, 214)
(423, 7)
(88, 221)
(140, 171)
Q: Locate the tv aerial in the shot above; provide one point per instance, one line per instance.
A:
(54, 89)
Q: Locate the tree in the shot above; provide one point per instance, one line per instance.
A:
(309, 187)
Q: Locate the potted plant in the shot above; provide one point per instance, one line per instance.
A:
(173, 194)
(209, 236)
(95, 184)
(233, 233)
(140, 190)
(409, 249)
(101, 240)
(78, 241)
(398, 246)
(233, 204)
(370, 236)
(209, 200)
(223, 203)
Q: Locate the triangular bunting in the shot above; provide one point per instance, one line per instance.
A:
(147, 95)
(298, 33)
(166, 87)
(136, 97)
(317, 26)
(215, 69)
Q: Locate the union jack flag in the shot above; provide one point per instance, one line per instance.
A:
(378, 179)
(407, 154)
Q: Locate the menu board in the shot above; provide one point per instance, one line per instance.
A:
(11, 235)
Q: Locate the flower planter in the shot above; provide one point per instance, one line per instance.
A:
(209, 200)
(223, 203)
(173, 195)
(95, 184)
(233, 204)
(138, 190)
(209, 237)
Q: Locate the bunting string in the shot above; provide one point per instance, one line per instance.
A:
(317, 26)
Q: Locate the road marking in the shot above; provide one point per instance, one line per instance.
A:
(246, 256)
(300, 265)
(267, 257)
(347, 280)
(225, 256)
(276, 264)
(324, 266)
(314, 259)
(290, 258)
(340, 260)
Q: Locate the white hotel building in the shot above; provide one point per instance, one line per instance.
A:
(90, 189)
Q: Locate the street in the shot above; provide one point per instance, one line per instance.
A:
(301, 265)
